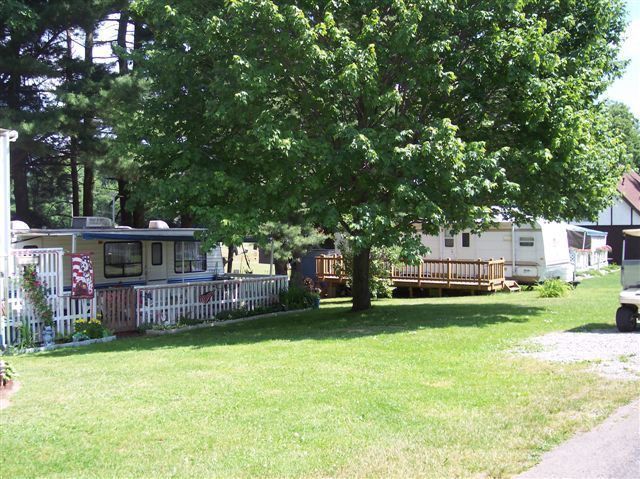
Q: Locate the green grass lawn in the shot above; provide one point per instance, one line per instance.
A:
(414, 387)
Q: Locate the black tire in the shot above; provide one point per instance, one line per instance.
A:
(625, 319)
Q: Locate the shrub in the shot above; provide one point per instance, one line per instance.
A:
(233, 314)
(187, 321)
(6, 373)
(26, 335)
(298, 298)
(91, 328)
(553, 288)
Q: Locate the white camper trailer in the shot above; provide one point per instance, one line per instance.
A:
(532, 252)
(124, 256)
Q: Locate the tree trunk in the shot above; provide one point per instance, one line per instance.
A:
(87, 190)
(123, 24)
(73, 141)
(20, 185)
(138, 216)
(360, 286)
(230, 259)
(123, 192)
(75, 185)
(19, 153)
(89, 174)
(186, 220)
(280, 266)
(296, 273)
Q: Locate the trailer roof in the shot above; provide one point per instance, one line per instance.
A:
(121, 234)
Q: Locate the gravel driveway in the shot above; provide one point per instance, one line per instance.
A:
(610, 353)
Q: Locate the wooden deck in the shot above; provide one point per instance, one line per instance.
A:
(472, 275)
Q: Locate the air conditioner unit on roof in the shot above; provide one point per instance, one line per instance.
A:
(86, 222)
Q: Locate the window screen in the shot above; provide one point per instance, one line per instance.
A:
(466, 239)
(191, 255)
(156, 254)
(526, 241)
(122, 259)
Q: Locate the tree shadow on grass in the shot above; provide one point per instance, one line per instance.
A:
(326, 324)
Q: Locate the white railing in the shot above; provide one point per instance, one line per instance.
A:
(16, 310)
(585, 260)
(167, 303)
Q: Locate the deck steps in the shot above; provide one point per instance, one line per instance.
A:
(511, 286)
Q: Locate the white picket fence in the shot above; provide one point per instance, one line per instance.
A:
(167, 303)
(16, 310)
(158, 304)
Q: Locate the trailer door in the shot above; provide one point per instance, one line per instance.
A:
(156, 262)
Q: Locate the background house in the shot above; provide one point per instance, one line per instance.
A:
(624, 214)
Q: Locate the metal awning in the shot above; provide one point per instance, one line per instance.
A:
(588, 231)
(635, 233)
(132, 235)
(114, 234)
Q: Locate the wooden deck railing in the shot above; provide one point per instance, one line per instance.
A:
(476, 274)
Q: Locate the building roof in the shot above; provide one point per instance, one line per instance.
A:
(630, 189)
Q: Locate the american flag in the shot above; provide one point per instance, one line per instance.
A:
(206, 297)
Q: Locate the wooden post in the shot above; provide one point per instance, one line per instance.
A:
(489, 271)
(479, 266)
(448, 271)
(420, 273)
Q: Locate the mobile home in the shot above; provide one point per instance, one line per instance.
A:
(125, 256)
(532, 253)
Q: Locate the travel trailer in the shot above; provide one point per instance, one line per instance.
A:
(123, 256)
(532, 253)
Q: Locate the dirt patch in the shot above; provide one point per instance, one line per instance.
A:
(609, 353)
(6, 392)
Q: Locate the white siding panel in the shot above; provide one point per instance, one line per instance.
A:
(621, 213)
(604, 218)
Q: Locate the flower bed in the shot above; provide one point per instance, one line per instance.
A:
(72, 344)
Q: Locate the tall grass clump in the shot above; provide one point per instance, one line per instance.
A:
(553, 288)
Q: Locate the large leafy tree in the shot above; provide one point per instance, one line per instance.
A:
(627, 126)
(376, 115)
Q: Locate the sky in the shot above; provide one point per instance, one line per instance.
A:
(627, 88)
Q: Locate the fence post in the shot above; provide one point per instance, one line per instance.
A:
(448, 271)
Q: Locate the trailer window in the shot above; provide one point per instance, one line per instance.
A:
(526, 241)
(191, 255)
(156, 254)
(122, 259)
(466, 240)
(448, 240)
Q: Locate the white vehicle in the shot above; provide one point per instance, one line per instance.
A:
(532, 253)
(627, 315)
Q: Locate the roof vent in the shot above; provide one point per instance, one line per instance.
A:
(19, 226)
(158, 225)
(90, 222)
(122, 227)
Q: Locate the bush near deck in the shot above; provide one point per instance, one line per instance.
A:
(413, 387)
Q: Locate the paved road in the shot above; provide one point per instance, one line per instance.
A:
(611, 450)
